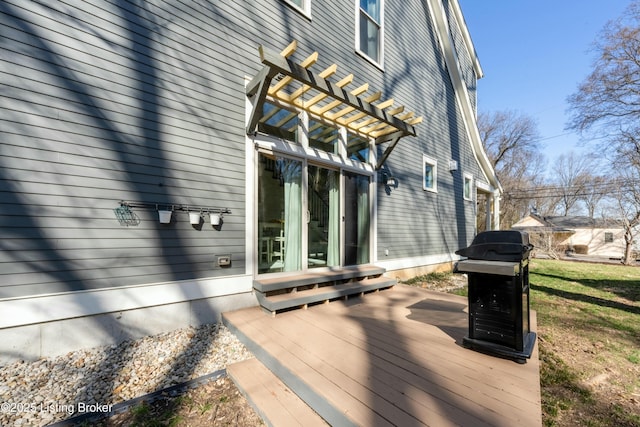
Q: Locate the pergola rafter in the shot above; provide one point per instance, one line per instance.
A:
(289, 83)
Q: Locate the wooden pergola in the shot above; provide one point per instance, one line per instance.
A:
(291, 85)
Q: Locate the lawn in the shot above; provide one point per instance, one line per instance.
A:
(589, 341)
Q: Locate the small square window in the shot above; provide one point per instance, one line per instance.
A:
(468, 187)
(430, 174)
(608, 237)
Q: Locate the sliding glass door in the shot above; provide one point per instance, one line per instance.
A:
(303, 220)
(323, 215)
(356, 219)
(279, 214)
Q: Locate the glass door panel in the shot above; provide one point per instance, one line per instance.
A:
(356, 219)
(323, 228)
(279, 214)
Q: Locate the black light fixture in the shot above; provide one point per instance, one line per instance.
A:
(389, 180)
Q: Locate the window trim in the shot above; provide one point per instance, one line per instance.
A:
(426, 160)
(467, 176)
(305, 9)
(380, 62)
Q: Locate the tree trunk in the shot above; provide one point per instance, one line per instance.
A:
(628, 246)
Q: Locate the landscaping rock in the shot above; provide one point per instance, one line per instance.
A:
(54, 389)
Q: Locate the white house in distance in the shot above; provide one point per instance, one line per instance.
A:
(580, 234)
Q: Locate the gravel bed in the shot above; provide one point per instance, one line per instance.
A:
(53, 389)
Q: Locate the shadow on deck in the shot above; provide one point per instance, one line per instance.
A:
(390, 358)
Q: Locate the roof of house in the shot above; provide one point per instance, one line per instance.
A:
(567, 223)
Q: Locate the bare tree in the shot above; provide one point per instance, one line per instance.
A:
(606, 106)
(595, 193)
(607, 102)
(511, 140)
(573, 177)
(626, 206)
(507, 135)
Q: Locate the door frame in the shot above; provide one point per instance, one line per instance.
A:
(277, 147)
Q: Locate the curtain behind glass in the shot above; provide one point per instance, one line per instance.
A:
(363, 219)
(333, 250)
(291, 172)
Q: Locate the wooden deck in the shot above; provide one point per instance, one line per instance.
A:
(391, 358)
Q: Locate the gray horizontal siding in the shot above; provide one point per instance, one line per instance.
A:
(413, 222)
(463, 54)
(107, 101)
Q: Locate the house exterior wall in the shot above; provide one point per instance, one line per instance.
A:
(418, 228)
(463, 54)
(594, 240)
(106, 101)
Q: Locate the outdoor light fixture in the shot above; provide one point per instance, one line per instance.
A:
(453, 165)
(389, 180)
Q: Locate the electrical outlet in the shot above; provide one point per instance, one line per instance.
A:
(224, 260)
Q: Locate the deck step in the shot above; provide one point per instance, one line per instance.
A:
(270, 397)
(320, 294)
(345, 273)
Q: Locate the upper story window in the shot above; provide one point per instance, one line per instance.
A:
(303, 6)
(608, 237)
(370, 29)
(430, 174)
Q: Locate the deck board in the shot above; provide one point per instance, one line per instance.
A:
(392, 358)
(270, 397)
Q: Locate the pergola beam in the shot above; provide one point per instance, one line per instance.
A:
(279, 64)
(332, 102)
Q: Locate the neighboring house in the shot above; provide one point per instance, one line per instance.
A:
(579, 234)
(355, 146)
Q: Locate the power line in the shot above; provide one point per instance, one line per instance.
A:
(578, 190)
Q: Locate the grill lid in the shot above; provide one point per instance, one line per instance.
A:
(499, 245)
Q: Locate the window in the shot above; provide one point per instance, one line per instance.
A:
(468, 187)
(357, 147)
(287, 124)
(279, 122)
(430, 178)
(608, 237)
(303, 6)
(323, 137)
(369, 27)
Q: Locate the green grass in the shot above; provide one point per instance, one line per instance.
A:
(589, 329)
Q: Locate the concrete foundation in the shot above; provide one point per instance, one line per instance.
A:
(50, 339)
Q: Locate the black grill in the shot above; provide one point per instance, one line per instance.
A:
(504, 245)
(497, 266)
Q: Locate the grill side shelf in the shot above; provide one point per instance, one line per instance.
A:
(502, 268)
